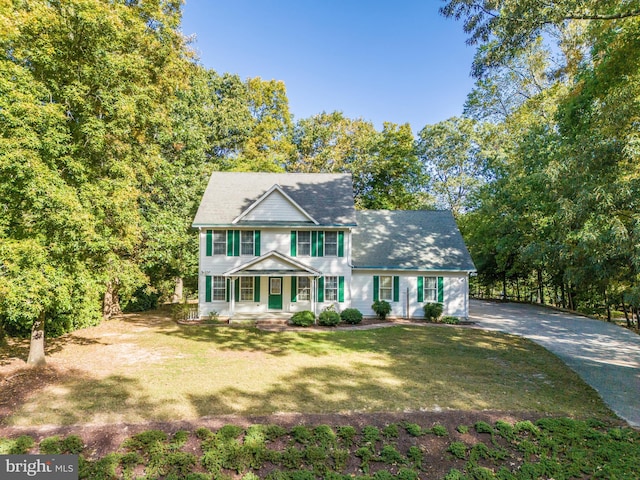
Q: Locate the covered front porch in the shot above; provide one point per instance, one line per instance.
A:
(270, 288)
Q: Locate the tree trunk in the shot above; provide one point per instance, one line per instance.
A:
(540, 287)
(36, 347)
(626, 314)
(111, 301)
(564, 300)
(177, 290)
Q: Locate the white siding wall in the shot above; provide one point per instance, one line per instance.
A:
(279, 240)
(275, 208)
(455, 299)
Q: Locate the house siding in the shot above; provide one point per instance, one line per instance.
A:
(455, 292)
(271, 239)
(275, 208)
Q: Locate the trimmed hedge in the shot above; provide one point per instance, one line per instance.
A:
(351, 316)
(305, 318)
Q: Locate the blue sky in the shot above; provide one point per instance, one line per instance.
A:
(396, 61)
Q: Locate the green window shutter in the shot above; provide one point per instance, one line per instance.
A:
(236, 243)
(294, 243)
(440, 289)
(256, 289)
(321, 289)
(209, 243)
(420, 289)
(294, 289)
(228, 289)
(376, 288)
(236, 287)
(256, 243)
(314, 244)
(341, 289)
(229, 243)
(396, 289)
(341, 244)
(321, 244)
(207, 291)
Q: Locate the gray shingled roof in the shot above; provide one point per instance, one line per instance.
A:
(412, 239)
(327, 197)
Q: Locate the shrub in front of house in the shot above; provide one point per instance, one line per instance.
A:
(432, 311)
(382, 308)
(449, 320)
(304, 318)
(329, 318)
(351, 316)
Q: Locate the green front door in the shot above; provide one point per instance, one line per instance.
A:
(275, 293)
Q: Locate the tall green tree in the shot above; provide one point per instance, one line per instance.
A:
(86, 87)
(453, 156)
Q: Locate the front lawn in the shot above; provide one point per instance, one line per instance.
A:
(147, 368)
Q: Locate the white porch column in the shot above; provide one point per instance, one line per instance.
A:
(232, 296)
(313, 294)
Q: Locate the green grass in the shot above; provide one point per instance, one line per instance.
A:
(148, 368)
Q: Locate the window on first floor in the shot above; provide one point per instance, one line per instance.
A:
(386, 288)
(246, 289)
(304, 289)
(219, 292)
(431, 289)
(330, 289)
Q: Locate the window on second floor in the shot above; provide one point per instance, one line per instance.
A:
(304, 244)
(331, 244)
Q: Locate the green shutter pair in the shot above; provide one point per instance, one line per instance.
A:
(440, 289)
(233, 243)
(376, 288)
(317, 243)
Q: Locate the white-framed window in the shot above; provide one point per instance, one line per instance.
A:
(246, 242)
(219, 242)
(430, 289)
(330, 244)
(304, 288)
(219, 288)
(330, 289)
(386, 288)
(304, 244)
(246, 289)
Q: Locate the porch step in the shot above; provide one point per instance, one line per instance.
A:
(272, 321)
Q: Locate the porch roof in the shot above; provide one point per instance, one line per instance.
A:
(273, 263)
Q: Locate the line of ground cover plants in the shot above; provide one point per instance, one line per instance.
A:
(558, 448)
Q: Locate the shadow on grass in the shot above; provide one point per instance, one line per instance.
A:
(389, 369)
(50, 395)
(18, 348)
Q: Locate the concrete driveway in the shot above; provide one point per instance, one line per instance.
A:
(607, 357)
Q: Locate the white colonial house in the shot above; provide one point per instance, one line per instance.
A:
(272, 244)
